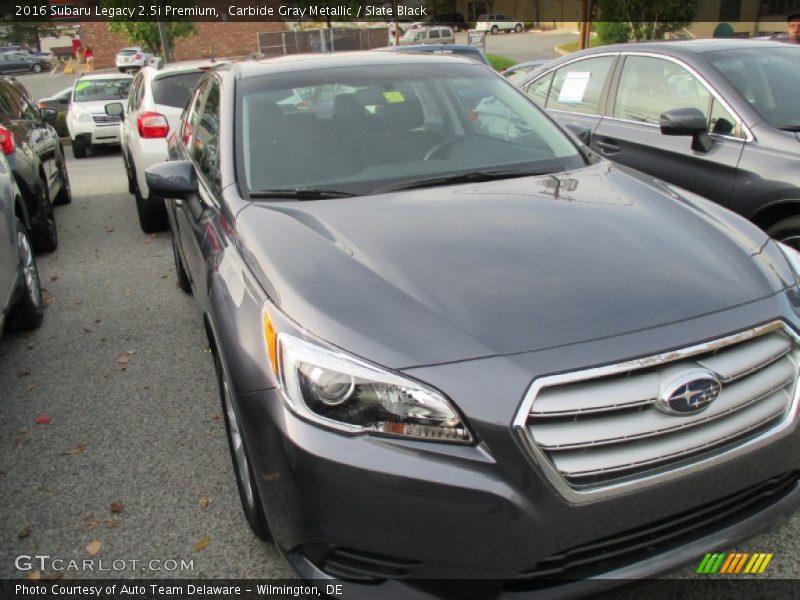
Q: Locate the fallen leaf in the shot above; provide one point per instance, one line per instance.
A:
(109, 229)
(87, 330)
(93, 547)
(164, 276)
(23, 533)
(42, 419)
(204, 503)
(47, 297)
(217, 416)
(20, 436)
(112, 522)
(78, 449)
(131, 352)
(23, 373)
(201, 544)
(34, 575)
(97, 320)
(123, 359)
(54, 278)
(32, 387)
(117, 506)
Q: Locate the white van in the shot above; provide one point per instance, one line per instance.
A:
(428, 35)
(496, 22)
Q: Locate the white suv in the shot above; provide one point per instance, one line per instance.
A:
(87, 121)
(132, 59)
(157, 98)
(496, 22)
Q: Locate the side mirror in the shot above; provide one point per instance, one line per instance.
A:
(687, 121)
(173, 179)
(49, 115)
(115, 109)
(580, 131)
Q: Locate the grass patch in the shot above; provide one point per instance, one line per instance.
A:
(500, 62)
(573, 46)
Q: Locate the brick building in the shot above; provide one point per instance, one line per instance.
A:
(226, 39)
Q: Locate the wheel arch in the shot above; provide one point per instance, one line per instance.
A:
(776, 211)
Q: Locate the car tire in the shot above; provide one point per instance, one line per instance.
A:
(152, 218)
(245, 480)
(45, 233)
(78, 148)
(28, 312)
(64, 195)
(787, 231)
(518, 28)
(37, 68)
(183, 277)
(494, 30)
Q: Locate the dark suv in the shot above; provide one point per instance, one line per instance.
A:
(32, 148)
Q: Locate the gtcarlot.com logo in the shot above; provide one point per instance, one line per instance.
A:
(45, 562)
(734, 563)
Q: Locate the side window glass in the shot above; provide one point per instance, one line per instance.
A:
(11, 101)
(537, 91)
(191, 116)
(433, 33)
(205, 149)
(578, 87)
(29, 113)
(722, 122)
(650, 86)
(132, 103)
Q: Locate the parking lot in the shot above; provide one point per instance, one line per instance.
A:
(113, 442)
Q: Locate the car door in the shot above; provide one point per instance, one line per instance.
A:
(129, 130)
(630, 133)
(575, 92)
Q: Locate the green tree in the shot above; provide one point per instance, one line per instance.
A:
(645, 19)
(146, 33)
(27, 33)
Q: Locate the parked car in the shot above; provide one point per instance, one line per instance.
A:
(131, 59)
(468, 356)
(59, 101)
(20, 291)
(495, 23)
(157, 98)
(32, 148)
(717, 117)
(447, 49)
(87, 121)
(523, 71)
(17, 62)
(428, 35)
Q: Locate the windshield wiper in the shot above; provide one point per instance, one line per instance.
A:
(469, 177)
(301, 193)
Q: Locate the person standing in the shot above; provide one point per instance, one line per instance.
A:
(793, 21)
(89, 56)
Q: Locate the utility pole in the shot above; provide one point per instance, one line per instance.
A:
(164, 37)
(585, 35)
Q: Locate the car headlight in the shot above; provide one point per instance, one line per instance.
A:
(82, 117)
(336, 390)
(793, 257)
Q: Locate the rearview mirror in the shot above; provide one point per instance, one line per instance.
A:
(49, 115)
(687, 121)
(115, 109)
(172, 179)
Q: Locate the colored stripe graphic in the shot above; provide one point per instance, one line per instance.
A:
(732, 558)
(704, 564)
(733, 563)
(740, 564)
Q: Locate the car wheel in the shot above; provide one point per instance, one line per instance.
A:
(28, 312)
(518, 28)
(494, 30)
(45, 233)
(787, 231)
(248, 492)
(78, 148)
(36, 68)
(183, 277)
(64, 195)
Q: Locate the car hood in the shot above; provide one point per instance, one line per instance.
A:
(458, 272)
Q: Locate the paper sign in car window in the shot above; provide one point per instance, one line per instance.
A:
(574, 87)
(82, 85)
(393, 96)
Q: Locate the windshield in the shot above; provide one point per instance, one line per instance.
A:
(95, 90)
(174, 90)
(359, 130)
(767, 78)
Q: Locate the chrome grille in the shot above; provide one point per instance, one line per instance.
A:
(599, 431)
(106, 119)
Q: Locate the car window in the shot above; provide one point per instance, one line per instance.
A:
(205, 147)
(767, 78)
(27, 111)
(723, 122)
(650, 86)
(578, 87)
(192, 115)
(538, 90)
(389, 126)
(175, 90)
(93, 90)
(134, 97)
(433, 33)
(10, 103)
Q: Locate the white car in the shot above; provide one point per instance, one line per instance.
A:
(133, 58)
(87, 121)
(153, 110)
(495, 23)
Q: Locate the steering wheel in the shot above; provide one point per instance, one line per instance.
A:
(437, 149)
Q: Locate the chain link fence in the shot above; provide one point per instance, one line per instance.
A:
(279, 43)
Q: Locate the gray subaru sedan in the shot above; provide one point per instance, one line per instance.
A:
(448, 349)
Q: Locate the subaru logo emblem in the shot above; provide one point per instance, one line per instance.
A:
(689, 393)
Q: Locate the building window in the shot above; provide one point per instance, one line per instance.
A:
(730, 10)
